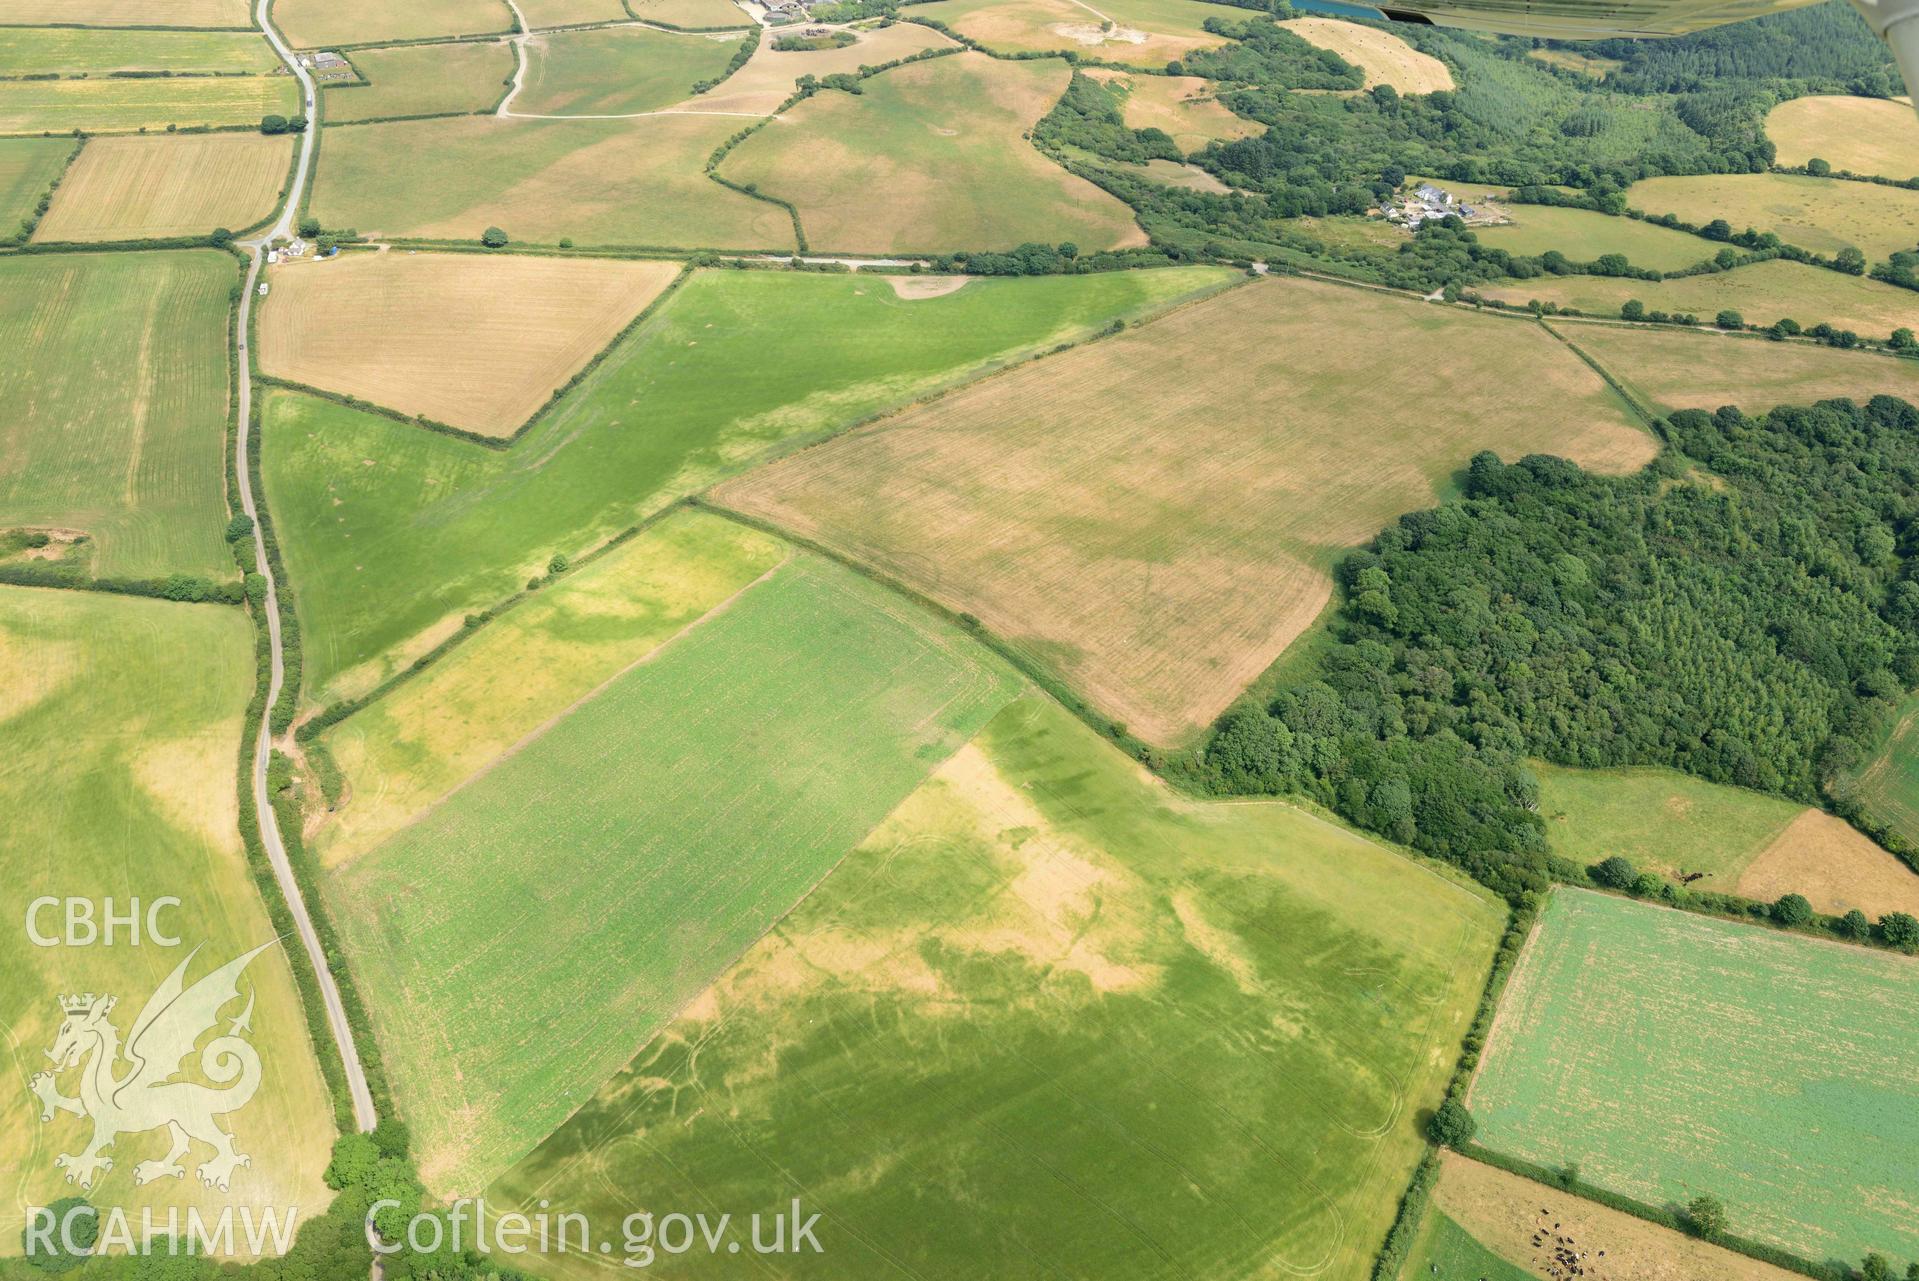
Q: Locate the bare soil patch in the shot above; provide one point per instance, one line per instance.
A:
(926, 286)
(1833, 865)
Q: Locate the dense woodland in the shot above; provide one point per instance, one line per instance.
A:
(1744, 610)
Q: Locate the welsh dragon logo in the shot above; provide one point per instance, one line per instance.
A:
(145, 1096)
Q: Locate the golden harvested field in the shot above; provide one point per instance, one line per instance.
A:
(123, 105)
(1671, 369)
(931, 156)
(1153, 515)
(1860, 135)
(420, 80)
(1183, 106)
(474, 341)
(1383, 56)
(128, 13)
(1504, 1212)
(1823, 215)
(142, 188)
(767, 80)
(565, 13)
(1147, 33)
(691, 15)
(1828, 861)
(310, 24)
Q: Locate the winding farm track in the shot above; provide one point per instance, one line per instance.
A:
(364, 1114)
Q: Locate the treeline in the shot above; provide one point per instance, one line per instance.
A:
(1744, 610)
(1823, 49)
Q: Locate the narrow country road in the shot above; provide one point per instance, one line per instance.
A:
(363, 1113)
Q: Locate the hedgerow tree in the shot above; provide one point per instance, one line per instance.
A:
(493, 238)
(1452, 1125)
(1706, 1216)
(1900, 929)
(1792, 909)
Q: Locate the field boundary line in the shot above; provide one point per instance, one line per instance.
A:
(1644, 413)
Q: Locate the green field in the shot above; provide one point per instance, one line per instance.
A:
(1761, 294)
(28, 167)
(116, 384)
(126, 105)
(31, 51)
(1673, 1055)
(616, 71)
(1823, 215)
(390, 531)
(1444, 1251)
(1583, 235)
(930, 158)
(1049, 1020)
(122, 722)
(1662, 820)
(526, 937)
(310, 24)
(405, 752)
(597, 182)
(1889, 784)
(421, 80)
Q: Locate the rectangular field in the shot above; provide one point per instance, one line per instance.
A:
(1053, 1020)
(30, 51)
(691, 15)
(127, 13)
(117, 390)
(1153, 516)
(423, 80)
(1673, 1055)
(122, 724)
(1671, 369)
(28, 168)
(1823, 215)
(310, 24)
(614, 71)
(479, 343)
(1583, 235)
(564, 13)
(526, 937)
(168, 185)
(125, 105)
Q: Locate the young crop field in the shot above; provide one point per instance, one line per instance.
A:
(563, 13)
(422, 80)
(28, 167)
(1183, 106)
(1502, 1212)
(713, 786)
(168, 185)
(116, 384)
(1583, 235)
(1889, 783)
(1672, 1055)
(391, 533)
(127, 13)
(1671, 370)
(1823, 215)
(310, 24)
(1146, 33)
(409, 750)
(691, 15)
(597, 182)
(768, 79)
(33, 51)
(1859, 135)
(122, 105)
(1383, 56)
(478, 343)
(122, 722)
(1052, 1019)
(1200, 475)
(616, 71)
(942, 142)
(1761, 294)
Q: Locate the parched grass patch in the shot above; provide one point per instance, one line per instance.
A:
(929, 158)
(1761, 294)
(1670, 369)
(1505, 1213)
(30, 51)
(309, 24)
(423, 80)
(615, 70)
(1183, 106)
(128, 13)
(597, 182)
(563, 13)
(142, 188)
(1384, 57)
(28, 167)
(1583, 235)
(1053, 1019)
(1790, 1065)
(1823, 215)
(714, 786)
(692, 15)
(122, 724)
(1148, 33)
(767, 80)
(1834, 866)
(392, 533)
(116, 387)
(1860, 135)
(1154, 516)
(475, 342)
(409, 750)
(127, 104)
